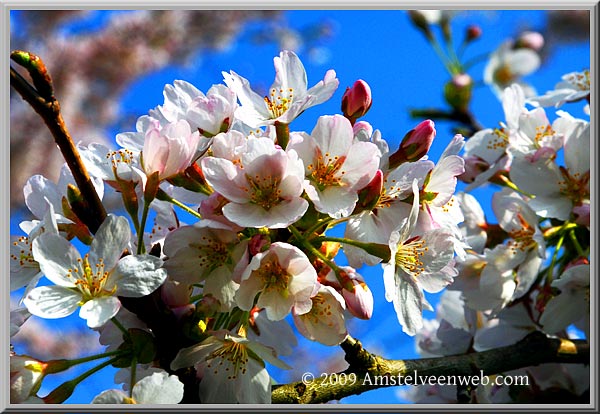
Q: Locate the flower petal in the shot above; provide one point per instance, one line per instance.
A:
(138, 275)
(159, 388)
(98, 311)
(57, 258)
(52, 302)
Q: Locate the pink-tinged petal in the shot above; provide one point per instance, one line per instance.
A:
(335, 201)
(111, 240)
(51, 302)
(276, 305)
(361, 164)
(247, 292)
(137, 275)
(225, 178)
(333, 135)
(252, 103)
(279, 216)
(57, 258)
(305, 147)
(98, 311)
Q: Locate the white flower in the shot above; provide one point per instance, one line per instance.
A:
(232, 369)
(283, 276)
(325, 321)
(159, 388)
(573, 87)
(213, 256)
(557, 189)
(572, 303)
(94, 281)
(26, 374)
(170, 149)
(264, 189)
(336, 166)
(17, 318)
(288, 96)
(526, 240)
(507, 65)
(417, 262)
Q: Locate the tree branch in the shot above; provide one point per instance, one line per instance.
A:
(42, 100)
(536, 348)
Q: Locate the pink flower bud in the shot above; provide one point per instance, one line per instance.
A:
(530, 40)
(358, 296)
(582, 214)
(473, 33)
(356, 101)
(258, 243)
(362, 128)
(369, 196)
(414, 145)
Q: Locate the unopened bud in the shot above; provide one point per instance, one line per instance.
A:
(26, 376)
(357, 100)
(362, 131)
(356, 293)
(258, 243)
(457, 91)
(370, 194)
(530, 40)
(473, 33)
(414, 145)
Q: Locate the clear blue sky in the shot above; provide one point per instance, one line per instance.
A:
(382, 48)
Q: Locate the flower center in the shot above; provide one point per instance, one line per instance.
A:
(503, 75)
(279, 101)
(499, 140)
(233, 354)
(326, 170)
(408, 256)
(542, 132)
(581, 81)
(321, 311)
(274, 277)
(522, 239)
(575, 186)
(120, 157)
(22, 253)
(212, 254)
(90, 280)
(264, 190)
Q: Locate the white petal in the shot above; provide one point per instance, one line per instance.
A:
(98, 311)
(159, 388)
(279, 216)
(57, 258)
(138, 275)
(110, 397)
(110, 241)
(408, 304)
(52, 302)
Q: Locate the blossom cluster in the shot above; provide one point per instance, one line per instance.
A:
(240, 249)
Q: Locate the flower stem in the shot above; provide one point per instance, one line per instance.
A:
(380, 250)
(141, 249)
(555, 256)
(132, 378)
(283, 134)
(120, 326)
(576, 243)
(65, 390)
(161, 195)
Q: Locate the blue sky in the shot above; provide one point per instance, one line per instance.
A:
(382, 48)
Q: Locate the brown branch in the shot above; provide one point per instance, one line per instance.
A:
(369, 370)
(46, 105)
